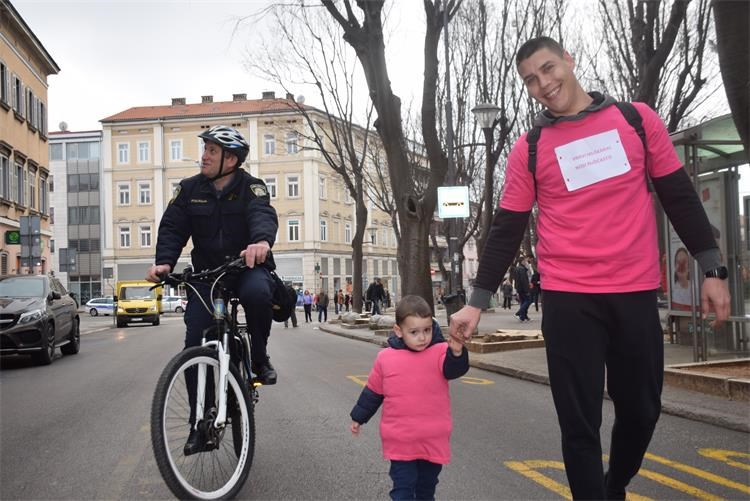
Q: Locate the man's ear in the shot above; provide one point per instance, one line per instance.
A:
(230, 160)
(569, 59)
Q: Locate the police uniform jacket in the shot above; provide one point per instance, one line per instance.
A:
(221, 223)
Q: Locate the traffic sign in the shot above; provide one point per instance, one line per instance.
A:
(453, 201)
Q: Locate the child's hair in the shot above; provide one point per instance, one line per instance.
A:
(412, 306)
(535, 44)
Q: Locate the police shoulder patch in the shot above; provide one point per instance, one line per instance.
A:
(259, 190)
(177, 190)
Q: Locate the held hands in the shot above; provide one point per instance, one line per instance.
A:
(715, 296)
(456, 347)
(256, 253)
(463, 324)
(355, 428)
(157, 271)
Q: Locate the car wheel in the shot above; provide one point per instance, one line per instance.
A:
(74, 346)
(93, 312)
(45, 356)
(122, 323)
(156, 322)
(179, 309)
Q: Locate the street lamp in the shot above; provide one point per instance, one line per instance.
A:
(486, 116)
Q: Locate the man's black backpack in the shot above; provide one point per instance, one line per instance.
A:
(284, 299)
(628, 111)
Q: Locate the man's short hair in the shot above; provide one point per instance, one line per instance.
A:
(535, 44)
(412, 306)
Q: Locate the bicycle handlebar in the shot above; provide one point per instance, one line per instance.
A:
(176, 279)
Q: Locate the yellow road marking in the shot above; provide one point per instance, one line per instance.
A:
(475, 380)
(724, 455)
(360, 379)
(677, 485)
(700, 473)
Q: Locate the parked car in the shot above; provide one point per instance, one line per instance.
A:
(101, 306)
(37, 315)
(173, 303)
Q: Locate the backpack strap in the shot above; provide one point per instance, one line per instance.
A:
(532, 138)
(634, 119)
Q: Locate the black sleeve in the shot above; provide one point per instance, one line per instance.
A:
(262, 221)
(502, 244)
(367, 405)
(680, 201)
(174, 230)
(454, 367)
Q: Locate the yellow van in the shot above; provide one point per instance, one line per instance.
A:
(134, 302)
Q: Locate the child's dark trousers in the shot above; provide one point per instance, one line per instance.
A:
(415, 479)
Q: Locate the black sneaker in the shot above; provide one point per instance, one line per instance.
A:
(265, 372)
(194, 444)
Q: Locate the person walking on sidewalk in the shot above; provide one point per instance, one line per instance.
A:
(507, 294)
(307, 301)
(410, 379)
(535, 284)
(598, 258)
(521, 283)
(322, 303)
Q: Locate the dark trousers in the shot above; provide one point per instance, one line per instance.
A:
(308, 312)
(293, 318)
(507, 302)
(523, 311)
(322, 313)
(584, 333)
(254, 289)
(414, 479)
(535, 298)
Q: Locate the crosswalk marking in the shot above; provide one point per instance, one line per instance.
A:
(700, 473)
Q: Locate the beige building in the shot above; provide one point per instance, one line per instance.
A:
(146, 151)
(24, 169)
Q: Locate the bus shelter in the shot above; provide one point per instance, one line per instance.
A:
(713, 155)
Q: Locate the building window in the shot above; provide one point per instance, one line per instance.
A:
(17, 95)
(269, 144)
(348, 233)
(322, 187)
(293, 230)
(143, 152)
(31, 194)
(175, 149)
(292, 186)
(292, 139)
(125, 237)
(336, 236)
(123, 153)
(56, 151)
(271, 185)
(20, 183)
(43, 203)
(323, 230)
(347, 197)
(4, 177)
(4, 89)
(123, 191)
(145, 236)
(144, 192)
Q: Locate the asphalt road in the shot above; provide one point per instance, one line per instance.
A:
(79, 429)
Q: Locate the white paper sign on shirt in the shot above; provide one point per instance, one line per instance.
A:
(592, 159)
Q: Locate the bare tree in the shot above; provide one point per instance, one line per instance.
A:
(732, 41)
(415, 212)
(309, 50)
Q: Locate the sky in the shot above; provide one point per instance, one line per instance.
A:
(117, 54)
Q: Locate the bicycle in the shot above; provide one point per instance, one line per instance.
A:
(221, 405)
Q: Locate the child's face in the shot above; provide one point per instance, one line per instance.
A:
(415, 331)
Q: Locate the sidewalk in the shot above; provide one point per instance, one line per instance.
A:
(531, 365)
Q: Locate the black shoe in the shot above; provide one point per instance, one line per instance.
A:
(265, 372)
(194, 444)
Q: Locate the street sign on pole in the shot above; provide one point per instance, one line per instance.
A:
(453, 201)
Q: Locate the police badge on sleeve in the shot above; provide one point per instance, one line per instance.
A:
(259, 190)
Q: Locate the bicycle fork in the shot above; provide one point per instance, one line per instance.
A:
(222, 350)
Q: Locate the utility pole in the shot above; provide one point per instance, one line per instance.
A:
(452, 223)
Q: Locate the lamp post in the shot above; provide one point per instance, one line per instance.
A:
(486, 116)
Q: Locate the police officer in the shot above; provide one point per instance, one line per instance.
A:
(227, 212)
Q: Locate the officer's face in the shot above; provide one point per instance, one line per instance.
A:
(211, 160)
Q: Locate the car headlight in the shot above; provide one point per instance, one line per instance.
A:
(153, 308)
(30, 316)
(120, 310)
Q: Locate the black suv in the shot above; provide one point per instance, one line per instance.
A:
(36, 316)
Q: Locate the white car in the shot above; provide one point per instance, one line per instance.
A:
(173, 303)
(100, 306)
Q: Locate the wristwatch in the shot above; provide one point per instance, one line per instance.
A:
(720, 272)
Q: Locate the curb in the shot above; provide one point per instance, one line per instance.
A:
(704, 416)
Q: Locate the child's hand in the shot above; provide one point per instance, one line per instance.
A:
(355, 428)
(456, 346)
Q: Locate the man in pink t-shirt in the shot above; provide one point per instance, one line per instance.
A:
(597, 255)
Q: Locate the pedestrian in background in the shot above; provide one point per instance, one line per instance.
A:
(600, 273)
(535, 286)
(322, 303)
(416, 423)
(307, 301)
(521, 283)
(507, 294)
(347, 301)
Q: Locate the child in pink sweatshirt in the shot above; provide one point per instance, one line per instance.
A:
(410, 378)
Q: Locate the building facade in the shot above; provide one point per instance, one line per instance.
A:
(77, 210)
(146, 151)
(24, 172)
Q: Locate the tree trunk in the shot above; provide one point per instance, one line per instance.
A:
(357, 253)
(733, 40)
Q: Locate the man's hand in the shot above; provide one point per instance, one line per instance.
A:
(715, 296)
(256, 253)
(157, 271)
(456, 347)
(464, 322)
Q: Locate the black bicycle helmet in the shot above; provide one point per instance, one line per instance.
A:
(229, 139)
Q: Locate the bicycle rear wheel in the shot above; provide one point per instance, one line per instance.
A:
(220, 471)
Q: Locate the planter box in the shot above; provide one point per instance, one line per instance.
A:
(725, 378)
(481, 347)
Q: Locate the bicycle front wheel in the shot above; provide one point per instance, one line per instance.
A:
(221, 467)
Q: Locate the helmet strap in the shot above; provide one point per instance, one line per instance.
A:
(221, 169)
